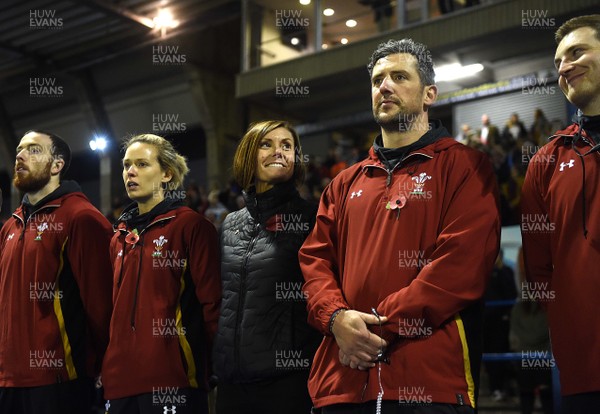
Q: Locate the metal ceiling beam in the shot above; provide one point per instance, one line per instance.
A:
(20, 51)
(120, 12)
(14, 78)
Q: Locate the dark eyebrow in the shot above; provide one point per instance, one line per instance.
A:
(393, 72)
(19, 148)
(135, 160)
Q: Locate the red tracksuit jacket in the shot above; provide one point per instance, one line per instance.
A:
(424, 265)
(561, 245)
(167, 293)
(55, 289)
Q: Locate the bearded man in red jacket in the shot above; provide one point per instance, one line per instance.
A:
(55, 286)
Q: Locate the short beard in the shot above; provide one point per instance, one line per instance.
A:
(401, 122)
(34, 182)
(390, 125)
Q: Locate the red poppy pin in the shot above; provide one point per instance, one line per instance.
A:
(132, 237)
(396, 203)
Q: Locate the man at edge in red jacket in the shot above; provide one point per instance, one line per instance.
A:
(55, 286)
(560, 221)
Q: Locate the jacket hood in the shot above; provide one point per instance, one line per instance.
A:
(583, 133)
(429, 143)
(132, 218)
(590, 125)
(66, 188)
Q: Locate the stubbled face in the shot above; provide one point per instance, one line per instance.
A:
(33, 163)
(577, 59)
(396, 91)
(275, 158)
(142, 173)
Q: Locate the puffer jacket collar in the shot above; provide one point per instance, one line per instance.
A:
(264, 205)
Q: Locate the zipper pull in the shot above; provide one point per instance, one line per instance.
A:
(388, 180)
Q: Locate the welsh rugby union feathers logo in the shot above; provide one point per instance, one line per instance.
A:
(158, 246)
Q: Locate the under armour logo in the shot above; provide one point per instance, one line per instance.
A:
(167, 410)
(10, 236)
(569, 164)
(356, 193)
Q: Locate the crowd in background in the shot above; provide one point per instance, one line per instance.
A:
(510, 148)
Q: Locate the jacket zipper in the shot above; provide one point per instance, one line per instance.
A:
(123, 248)
(242, 297)
(137, 284)
(137, 287)
(390, 173)
(24, 222)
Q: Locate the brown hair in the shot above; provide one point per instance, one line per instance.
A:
(168, 159)
(244, 160)
(591, 20)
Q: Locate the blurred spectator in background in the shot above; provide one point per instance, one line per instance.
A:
(446, 6)
(216, 211)
(383, 12)
(117, 206)
(528, 334)
(513, 131)
(541, 128)
(489, 133)
(496, 325)
(466, 134)
(192, 196)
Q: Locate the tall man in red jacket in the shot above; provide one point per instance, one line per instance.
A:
(561, 224)
(398, 261)
(55, 287)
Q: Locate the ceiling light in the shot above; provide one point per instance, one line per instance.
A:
(164, 19)
(344, 40)
(351, 23)
(305, 2)
(98, 143)
(294, 41)
(455, 71)
(328, 12)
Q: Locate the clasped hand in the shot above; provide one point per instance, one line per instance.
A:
(359, 347)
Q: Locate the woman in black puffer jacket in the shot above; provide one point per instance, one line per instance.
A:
(264, 346)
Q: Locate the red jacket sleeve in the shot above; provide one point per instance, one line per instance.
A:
(205, 262)
(465, 250)
(317, 257)
(536, 245)
(88, 254)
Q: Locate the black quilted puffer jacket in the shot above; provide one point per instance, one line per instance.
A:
(263, 331)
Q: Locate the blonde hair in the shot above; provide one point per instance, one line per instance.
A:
(168, 158)
(244, 160)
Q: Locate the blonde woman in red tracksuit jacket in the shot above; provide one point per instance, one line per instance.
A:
(167, 291)
(416, 243)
